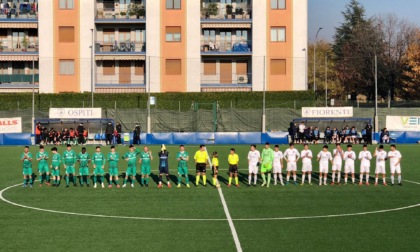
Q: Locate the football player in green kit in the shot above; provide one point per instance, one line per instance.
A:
(113, 167)
(26, 159)
(69, 159)
(98, 160)
(266, 159)
(182, 157)
(42, 158)
(55, 166)
(131, 171)
(145, 158)
(84, 159)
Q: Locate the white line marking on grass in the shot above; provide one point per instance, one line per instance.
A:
(229, 219)
(413, 182)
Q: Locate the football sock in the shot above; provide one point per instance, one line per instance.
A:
(399, 178)
(146, 179)
(367, 178)
(263, 177)
(87, 180)
(197, 179)
(67, 180)
(325, 180)
(333, 177)
(268, 179)
(275, 178)
(249, 179)
(338, 177)
(353, 179)
(204, 179)
(187, 180)
(384, 180)
(303, 178)
(309, 178)
(167, 178)
(116, 181)
(345, 179)
(81, 180)
(95, 179)
(230, 180)
(255, 179)
(24, 181)
(179, 179)
(392, 179)
(214, 181)
(125, 181)
(376, 179)
(281, 178)
(142, 181)
(294, 178)
(160, 179)
(287, 178)
(31, 181)
(361, 177)
(320, 178)
(236, 180)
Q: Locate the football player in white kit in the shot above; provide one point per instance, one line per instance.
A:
(291, 155)
(323, 157)
(394, 157)
(277, 165)
(338, 155)
(253, 158)
(349, 157)
(380, 155)
(306, 155)
(364, 157)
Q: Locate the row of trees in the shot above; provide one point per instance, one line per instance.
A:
(349, 61)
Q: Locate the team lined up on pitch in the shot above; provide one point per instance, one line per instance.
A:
(266, 163)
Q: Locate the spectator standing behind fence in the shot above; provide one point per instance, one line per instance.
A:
(79, 130)
(316, 135)
(327, 135)
(38, 130)
(301, 132)
(109, 132)
(119, 132)
(292, 132)
(136, 137)
(368, 134)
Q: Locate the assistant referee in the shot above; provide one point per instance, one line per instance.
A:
(201, 159)
(233, 160)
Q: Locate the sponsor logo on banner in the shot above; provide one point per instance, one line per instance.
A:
(76, 113)
(403, 123)
(11, 125)
(327, 112)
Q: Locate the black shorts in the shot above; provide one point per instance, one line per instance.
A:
(200, 167)
(215, 170)
(164, 170)
(233, 168)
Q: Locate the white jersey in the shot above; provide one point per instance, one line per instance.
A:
(324, 156)
(394, 156)
(291, 155)
(380, 158)
(337, 157)
(304, 154)
(365, 158)
(278, 155)
(349, 157)
(301, 128)
(254, 156)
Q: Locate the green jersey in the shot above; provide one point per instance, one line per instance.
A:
(131, 156)
(56, 160)
(43, 156)
(26, 162)
(98, 159)
(182, 156)
(83, 159)
(145, 158)
(69, 157)
(267, 156)
(113, 159)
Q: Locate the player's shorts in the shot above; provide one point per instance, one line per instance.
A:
(131, 171)
(276, 168)
(163, 170)
(336, 167)
(43, 168)
(364, 169)
(323, 167)
(291, 166)
(70, 169)
(113, 171)
(395, 169)
(233, 168)
(99, 170)
(215, 170)
(27, 171)
(349, 169)
(253, 168)
(200, 167)
(183, 171)
(145, 169)
(307, 167)
(83, 171)
(266, 167)
(55, 172)
(380, 169)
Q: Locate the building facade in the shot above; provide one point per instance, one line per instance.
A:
(120, 46)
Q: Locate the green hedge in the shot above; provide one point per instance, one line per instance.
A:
(169, 101)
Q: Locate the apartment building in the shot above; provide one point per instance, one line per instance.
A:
(125, 46)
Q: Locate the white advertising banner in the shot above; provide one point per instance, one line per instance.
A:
(78, 113)
(327, 112)
(11, 125)
(403, 123)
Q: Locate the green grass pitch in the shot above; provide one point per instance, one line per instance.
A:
(253, 210)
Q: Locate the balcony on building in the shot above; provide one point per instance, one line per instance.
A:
(221, 74)
(19, 76)
(226, 11)
(18, 11)
(120, 11)
(18, 41)
(216, 42)
(120, 41)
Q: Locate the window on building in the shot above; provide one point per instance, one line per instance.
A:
(241, 35)
(173, 33)
(3, 38)
(278, 34)
(34, 69)
(66, 4)
(18, 67)
(4, 67)
(17, 37)
(173, 67)
(33, 37)
(278, 67)
(66, 34)
(109, 5)
(241, 67)
(139, 68)
(278, 4)
(124, 35)
(108, 67)
(66, 67)
(209, 36)
(209, 67)
(109, 35)
(173, 4)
